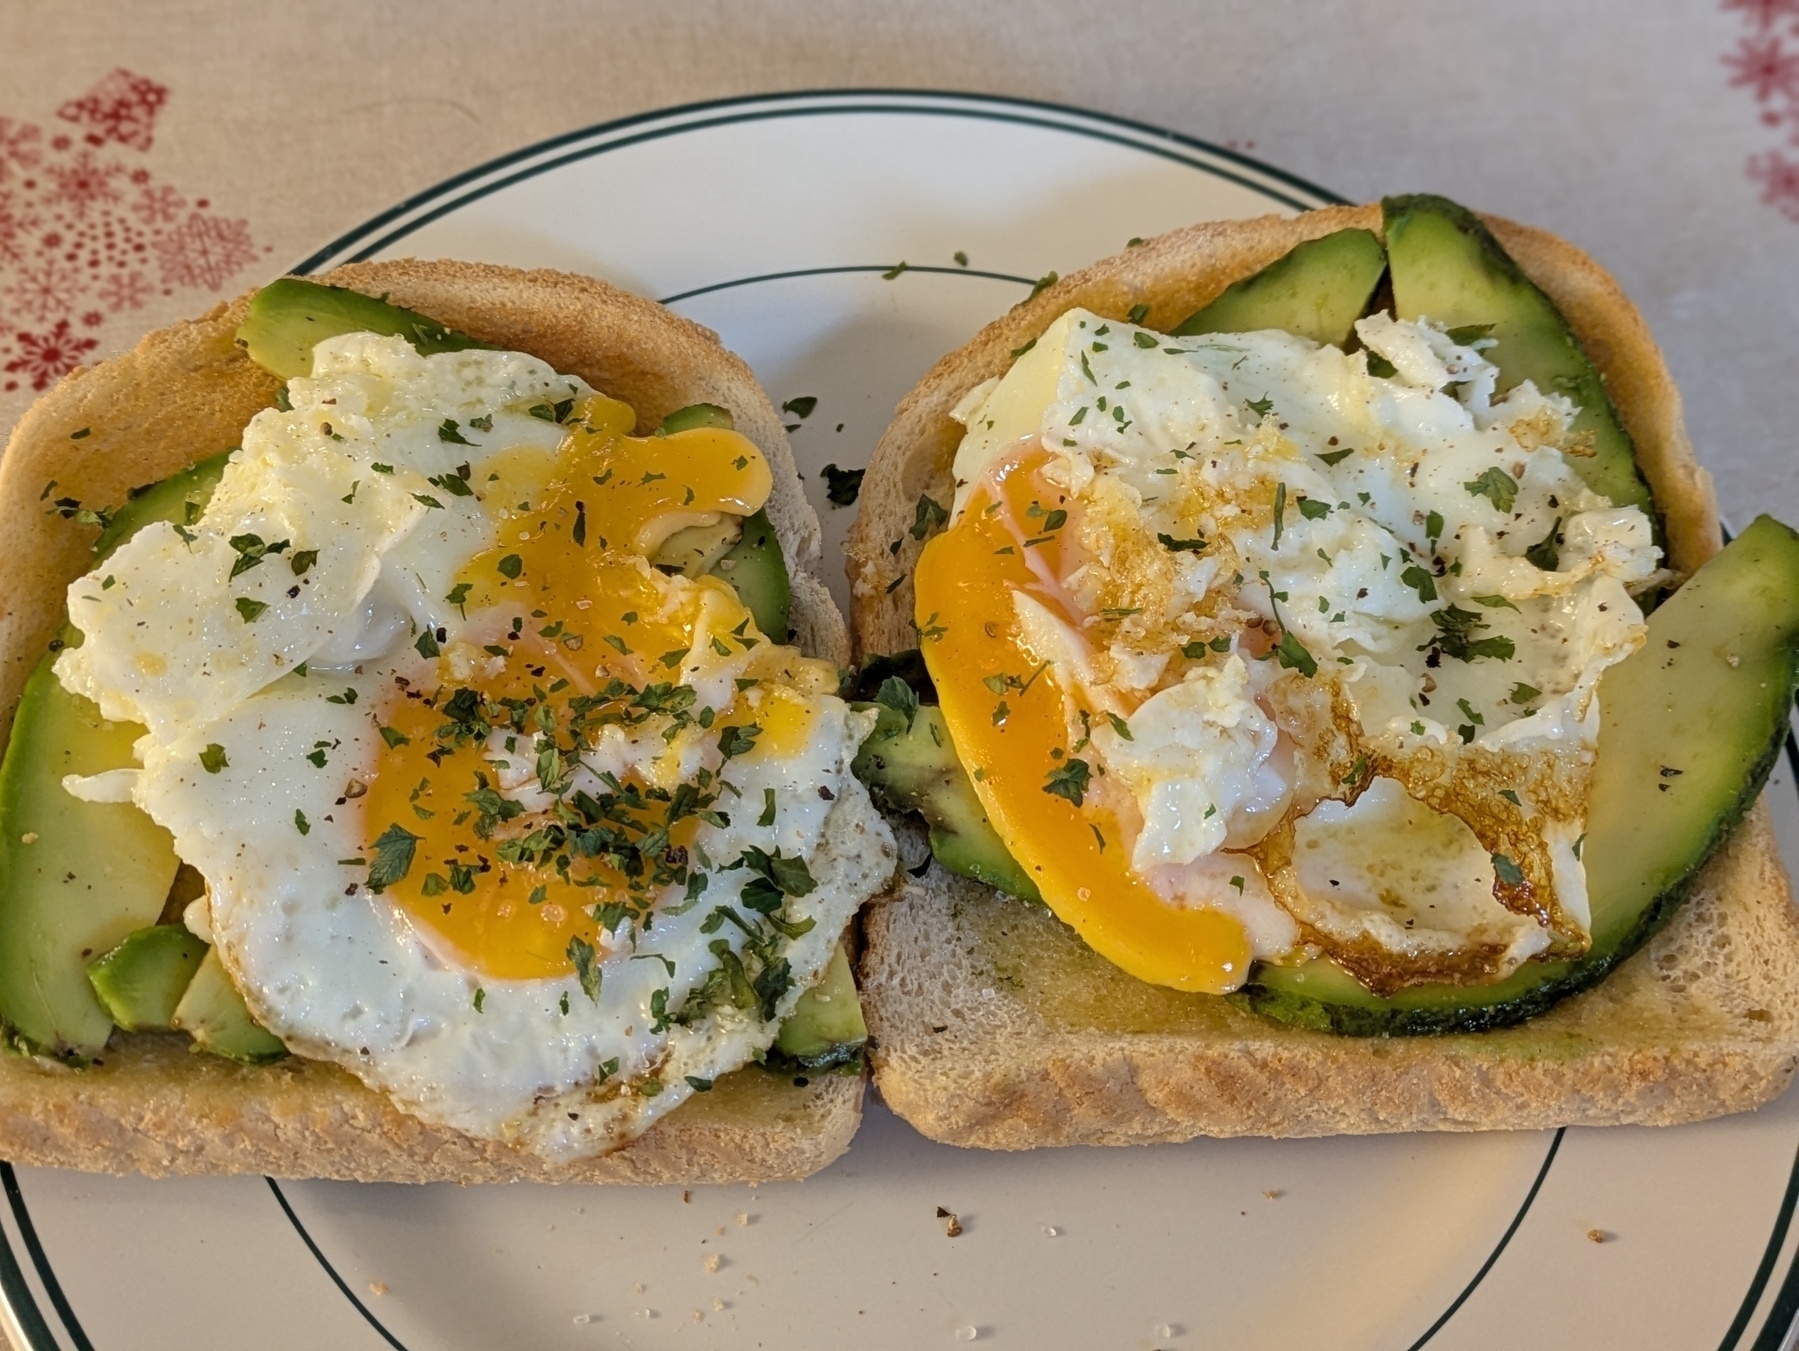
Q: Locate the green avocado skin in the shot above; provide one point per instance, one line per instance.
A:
(1316, 290)
(1690, 726)
(290, 316)
(1446, 266)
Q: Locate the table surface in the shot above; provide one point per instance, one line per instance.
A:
(159, 156)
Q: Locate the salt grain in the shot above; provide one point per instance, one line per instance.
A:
(377, 1287)
(581, 1319)
(1050, 1231)
(967, 1332)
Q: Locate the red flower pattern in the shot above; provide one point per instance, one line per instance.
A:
(1765, 13)
(44, 290)
(1763, 64)
(44, 357)
(125, 291)
(158, 205)
(1779, 177)
(89, 233)
(1766, 63)
(16, 223)
(204, 251)
(18, 148)
(84, 183)
(121, 108)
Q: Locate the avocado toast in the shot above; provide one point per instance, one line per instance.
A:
(995, 1025)
(146, 1101)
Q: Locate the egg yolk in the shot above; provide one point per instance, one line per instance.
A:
(1007, 714)
(584, 636)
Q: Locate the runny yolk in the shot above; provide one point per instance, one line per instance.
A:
(581, 633)
(1077, 854)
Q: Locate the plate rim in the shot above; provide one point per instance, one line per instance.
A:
(447, 195)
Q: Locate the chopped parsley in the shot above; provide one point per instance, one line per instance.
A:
(896, 694)
(212, 759)
(927, 516)
(1176, 546)
(394, 850)
(587, 970)
(842, 485)
(1497, 486)
(251, 550)
(1456, 628)
(1293, 654)
(1546, 553)
(1069, 781)
(1421, 581)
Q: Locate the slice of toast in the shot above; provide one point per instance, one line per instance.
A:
(185, 393)
(993, 1025)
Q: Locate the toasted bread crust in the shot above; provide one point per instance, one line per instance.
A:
(994, 1026)
(186, 392)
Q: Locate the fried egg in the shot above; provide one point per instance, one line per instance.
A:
(1256, 654)
(516, 827)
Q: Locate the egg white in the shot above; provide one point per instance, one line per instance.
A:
(1177, 438)
(339, 974)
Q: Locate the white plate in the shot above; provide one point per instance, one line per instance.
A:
(776, 221)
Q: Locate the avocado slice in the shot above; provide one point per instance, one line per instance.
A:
(1447, 267)
(77, 877)
(757, 569)
(698, 549)
(753, 564)
(214, 1014)
(288, 317)
(1690, 725)
(826, 1026)
(142, 980)
(697, 415)
(1317, 290)
(909, 764)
